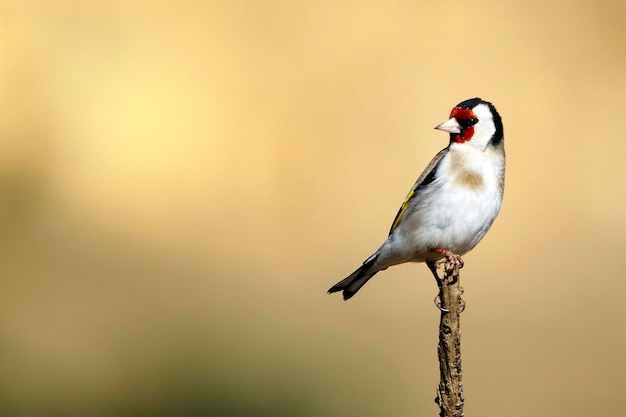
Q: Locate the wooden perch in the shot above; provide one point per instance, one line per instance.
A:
(450, 390)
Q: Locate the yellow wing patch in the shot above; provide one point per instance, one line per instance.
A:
(402, 210)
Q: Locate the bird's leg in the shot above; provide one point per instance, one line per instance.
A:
(451, 262)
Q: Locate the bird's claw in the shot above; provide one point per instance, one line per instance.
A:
(437, 301)
(462, 303)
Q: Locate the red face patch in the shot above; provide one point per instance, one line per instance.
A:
(461, 115)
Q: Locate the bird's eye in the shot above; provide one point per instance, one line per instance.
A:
(465, 123)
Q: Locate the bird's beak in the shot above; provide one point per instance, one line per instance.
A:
(451, 126)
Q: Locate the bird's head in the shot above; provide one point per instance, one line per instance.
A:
(475, 122)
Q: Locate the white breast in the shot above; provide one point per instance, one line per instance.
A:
(459, 206)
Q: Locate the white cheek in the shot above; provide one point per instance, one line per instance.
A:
(483, 132)
(485, 129)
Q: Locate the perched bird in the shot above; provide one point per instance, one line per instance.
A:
(452, 204)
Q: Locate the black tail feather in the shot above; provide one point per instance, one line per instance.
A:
(353, 283)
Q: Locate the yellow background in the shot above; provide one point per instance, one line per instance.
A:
(180, 183)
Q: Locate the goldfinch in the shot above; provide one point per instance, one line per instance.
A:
(452, 204)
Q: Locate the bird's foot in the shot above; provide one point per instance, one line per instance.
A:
(451, 260)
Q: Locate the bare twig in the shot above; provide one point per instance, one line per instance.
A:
(450, 390)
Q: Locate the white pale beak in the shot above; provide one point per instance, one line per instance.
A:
(451, 126)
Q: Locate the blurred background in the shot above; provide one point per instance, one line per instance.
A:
(181, 182)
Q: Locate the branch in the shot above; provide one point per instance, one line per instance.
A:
(450, 390)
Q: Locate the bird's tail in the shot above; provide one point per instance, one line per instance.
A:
(356, 280)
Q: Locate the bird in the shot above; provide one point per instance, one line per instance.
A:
(453, 202)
